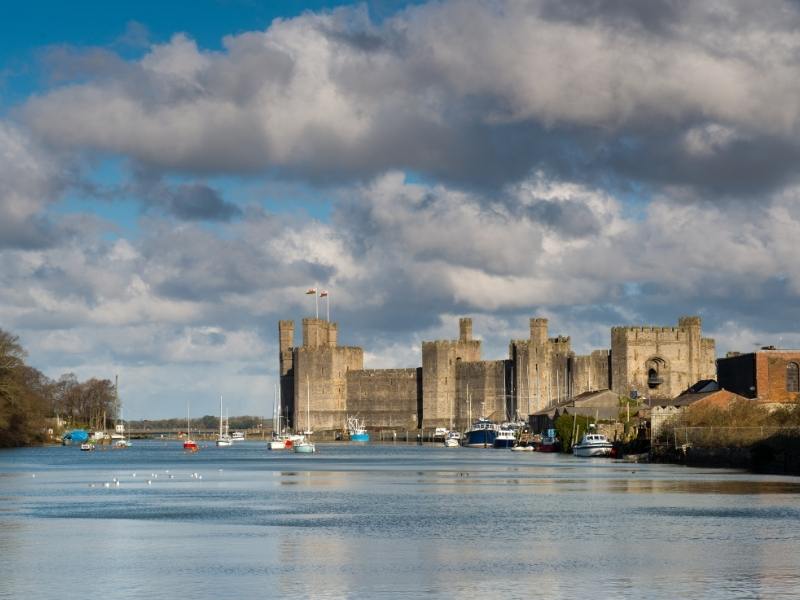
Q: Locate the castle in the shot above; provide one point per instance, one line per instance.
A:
(321, 382)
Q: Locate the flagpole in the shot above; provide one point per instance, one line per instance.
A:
(328, 306)
(316, 302)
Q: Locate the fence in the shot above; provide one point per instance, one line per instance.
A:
(705, 437)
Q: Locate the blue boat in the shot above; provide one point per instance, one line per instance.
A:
(505, 438)
(357, 431)
(481, 435)
(78, 436)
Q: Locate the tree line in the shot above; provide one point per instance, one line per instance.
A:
(30, 401)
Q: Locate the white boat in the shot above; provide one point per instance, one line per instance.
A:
(593, 444)
(238, 436)
(122, 441)
(452, 439)
(223, 438)
(279, 443)
(87, 446)
(304, 447)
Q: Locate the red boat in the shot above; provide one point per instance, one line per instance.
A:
(189, 444)
(550, 442)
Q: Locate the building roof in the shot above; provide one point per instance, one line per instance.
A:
(601, 403)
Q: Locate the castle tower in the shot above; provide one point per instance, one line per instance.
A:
(538, 331)
(660, 362)
(286, 367)
(320, 368)
(318, 333)
(465, 329)
(439, 361)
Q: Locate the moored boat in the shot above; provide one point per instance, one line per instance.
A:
(224, 438)
(481, 435)
(505, 438)
(452, 439)
(189, 444)
(304, 447)
(357, 431)
(593, 444)
(550, 442)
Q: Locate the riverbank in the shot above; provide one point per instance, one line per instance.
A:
(779, 455)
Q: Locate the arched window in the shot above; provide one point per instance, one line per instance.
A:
(792, 377)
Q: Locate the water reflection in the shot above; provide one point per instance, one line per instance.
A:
(367, 521)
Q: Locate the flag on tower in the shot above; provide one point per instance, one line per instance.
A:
(323, 293)
(311, 291)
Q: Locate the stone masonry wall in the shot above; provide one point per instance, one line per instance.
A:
(320, 385)
(439, 360)
(480, 391)
(678, 356)
(591, 372)
(384, 398)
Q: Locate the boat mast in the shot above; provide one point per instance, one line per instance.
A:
(220, 415)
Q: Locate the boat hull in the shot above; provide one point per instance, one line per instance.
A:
(277, 445)
(599, 450)
(190, 446)
(481, 438)
(359, 437)
(503, 442)
(304, 448)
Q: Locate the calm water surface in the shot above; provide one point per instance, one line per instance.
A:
(387, 521)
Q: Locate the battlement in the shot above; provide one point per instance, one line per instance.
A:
(385, 373)
(319, 332)
(690, 322)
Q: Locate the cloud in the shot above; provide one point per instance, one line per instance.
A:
(30, 179)
(472, 92)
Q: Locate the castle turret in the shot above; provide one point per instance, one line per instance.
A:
(286, 366)
(538, 331)
(465, 329)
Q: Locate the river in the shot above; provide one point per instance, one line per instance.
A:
(370, 521)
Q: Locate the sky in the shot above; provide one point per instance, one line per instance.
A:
(174, 177)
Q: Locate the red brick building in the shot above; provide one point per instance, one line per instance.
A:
(772, 376)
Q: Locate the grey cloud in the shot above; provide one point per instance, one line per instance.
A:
(198, 202)
(568, 217)
(474, 93)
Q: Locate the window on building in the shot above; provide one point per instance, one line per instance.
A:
(792, 377)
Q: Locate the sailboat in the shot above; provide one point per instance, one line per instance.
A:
(189, 444)
(122, 442)
(278, 441)
(224, 438)
(306, 446)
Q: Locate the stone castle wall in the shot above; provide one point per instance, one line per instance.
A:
(591, 372)
(482, 390)
(660, 362)
(454, 384)
(385, 398)
(439, 361)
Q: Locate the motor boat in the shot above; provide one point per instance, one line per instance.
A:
(357, 431)
(452, 439)
(593, 444)
(481, 435)
(505, 438)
